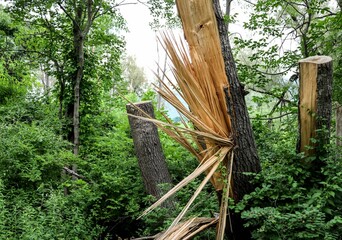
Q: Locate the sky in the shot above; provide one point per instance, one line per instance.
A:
(141, 39)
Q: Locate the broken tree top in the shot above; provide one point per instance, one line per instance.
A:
(316, 59)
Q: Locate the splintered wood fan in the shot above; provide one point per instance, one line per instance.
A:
(198, 95)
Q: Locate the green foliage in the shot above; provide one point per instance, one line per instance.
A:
(134, 75)
(37, 201)
(291, 202)
(163, 13)
(45, 215)
(282, 33)
(31, 152)
(32, 203)
(15, 76)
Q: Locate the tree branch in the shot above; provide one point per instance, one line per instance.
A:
(281, 97)
(68, 14)
(73, 173)
(278, 73)
(89, 17)
(272, 118)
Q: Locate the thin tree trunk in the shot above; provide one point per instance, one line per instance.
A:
(245, 154)
(228, 8)
(79, 54)
(61, 99)
(148, 150)
(339, 125)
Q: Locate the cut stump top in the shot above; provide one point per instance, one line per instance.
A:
(316, 59)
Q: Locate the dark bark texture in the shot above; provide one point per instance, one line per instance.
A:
(324, 104)
(245, 153)
(246, 157)
(148, 149)
(339, 125)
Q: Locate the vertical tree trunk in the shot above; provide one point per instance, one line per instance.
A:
(228, 8)
(339, 125)
(315, 104)
(79, 55)
(204, 30)
(245, 154)
(148, 149)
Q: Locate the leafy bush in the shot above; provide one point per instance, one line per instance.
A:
(290, 202)
(32, 154)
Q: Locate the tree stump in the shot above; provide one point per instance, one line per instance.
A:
(315, 104)
(148, 149)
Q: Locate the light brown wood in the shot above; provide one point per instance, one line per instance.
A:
(310, 69)
(201, 32)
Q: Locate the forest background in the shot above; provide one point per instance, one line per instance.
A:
(63, 71)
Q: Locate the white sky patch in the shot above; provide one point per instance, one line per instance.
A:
(141, 39)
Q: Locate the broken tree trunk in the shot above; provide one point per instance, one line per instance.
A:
(207, 34)
(246, 157)
(245, 153)
(148, 149)
(200, 31)
(315, 104)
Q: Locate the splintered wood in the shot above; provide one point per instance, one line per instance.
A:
(201, 33)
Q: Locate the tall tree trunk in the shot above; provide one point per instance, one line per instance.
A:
(247, 159)
(339, 125)
(79, 54)
(148, 150)
(61, 98)
(245, 154)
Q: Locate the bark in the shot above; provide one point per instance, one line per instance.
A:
(80, 31)
(339, 125)
(148, 150)
(207, 35)
(79, 56)
(246, 158)
(315, 104)
(61, 99)
(228, 8)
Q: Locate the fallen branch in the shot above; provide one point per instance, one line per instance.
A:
(75, 174)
